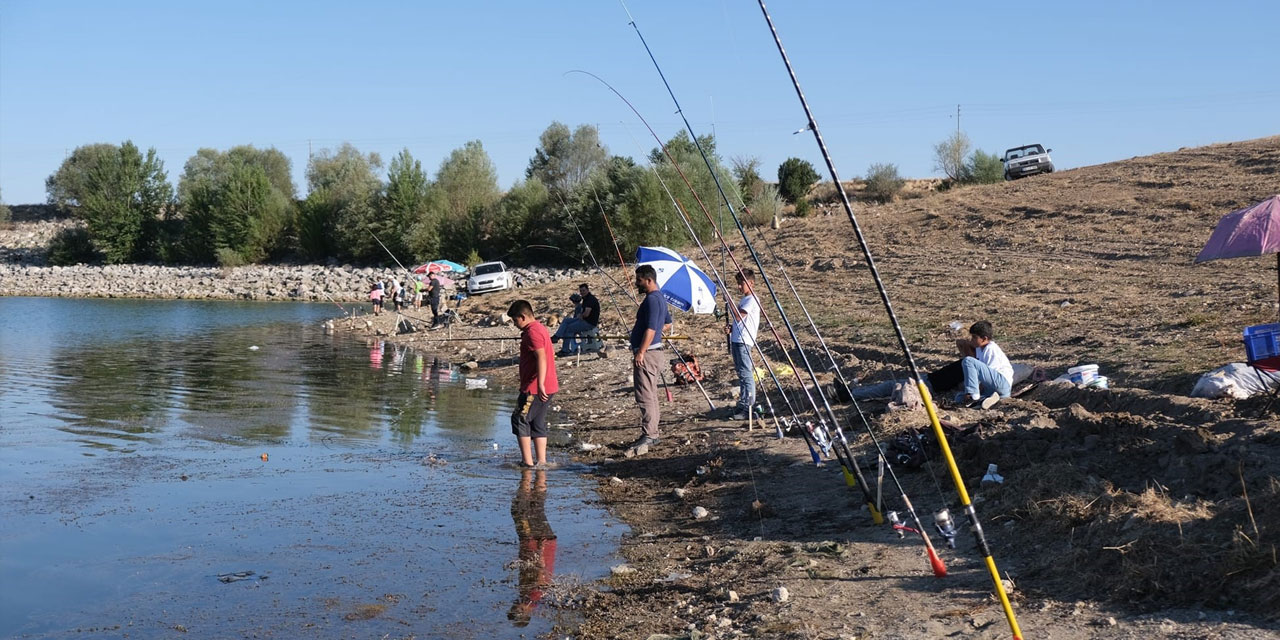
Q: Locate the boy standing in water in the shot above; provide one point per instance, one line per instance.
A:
(537, 384)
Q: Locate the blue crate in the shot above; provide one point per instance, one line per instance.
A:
(1262, 341)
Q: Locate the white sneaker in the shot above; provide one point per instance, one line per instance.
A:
(990, 401)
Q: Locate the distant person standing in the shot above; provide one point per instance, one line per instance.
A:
(742, 329)
(538, 384)
(375, 298)
(417, 292)
(646, 347)
(433, 298)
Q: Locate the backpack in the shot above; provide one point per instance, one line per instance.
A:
(686, 369)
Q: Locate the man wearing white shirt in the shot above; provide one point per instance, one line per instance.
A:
(988, 375)
(742, 338)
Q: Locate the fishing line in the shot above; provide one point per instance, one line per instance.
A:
(970, 512)
(835, 366)
(724, 288)
(674, 349)
(841, 452)
(939, 569)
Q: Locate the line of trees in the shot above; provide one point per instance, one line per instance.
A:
(241, 206)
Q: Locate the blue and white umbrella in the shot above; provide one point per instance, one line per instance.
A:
(683, 284)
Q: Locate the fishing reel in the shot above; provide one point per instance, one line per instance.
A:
(896, 521)
(820, 436)
(946, 526)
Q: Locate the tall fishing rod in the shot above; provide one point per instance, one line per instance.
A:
(842, 453)
(970, 512)
(737, 313)
(939, 569)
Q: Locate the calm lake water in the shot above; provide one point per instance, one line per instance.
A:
(134, 497)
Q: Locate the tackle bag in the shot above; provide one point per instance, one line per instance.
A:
(686, 369)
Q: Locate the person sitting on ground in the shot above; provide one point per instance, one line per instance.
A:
(988, 374)
(585, 319)
(538, 384)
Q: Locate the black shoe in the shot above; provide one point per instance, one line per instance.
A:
(738, 415)
(644, 440)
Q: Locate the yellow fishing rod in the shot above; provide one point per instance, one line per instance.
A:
(969, 511)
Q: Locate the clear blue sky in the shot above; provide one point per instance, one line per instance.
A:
(1097, 81)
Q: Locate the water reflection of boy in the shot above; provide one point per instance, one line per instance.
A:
(536, 559)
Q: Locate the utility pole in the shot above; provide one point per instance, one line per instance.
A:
(957, 120)
(308, 150)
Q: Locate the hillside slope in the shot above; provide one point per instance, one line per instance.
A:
(1086, 265)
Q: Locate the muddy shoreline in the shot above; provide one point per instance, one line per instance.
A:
(777, 521)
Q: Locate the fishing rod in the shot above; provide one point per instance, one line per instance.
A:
(616, 247)
(947, 532)
(484, 338)
(841, 453)
(684, 217)
(939, 569)
(622, 320)
(970, 512)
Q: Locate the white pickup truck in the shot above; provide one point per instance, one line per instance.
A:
(1020, 162)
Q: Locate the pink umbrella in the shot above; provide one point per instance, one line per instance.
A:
(1252, 231)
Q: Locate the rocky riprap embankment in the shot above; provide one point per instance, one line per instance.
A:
(24, 271)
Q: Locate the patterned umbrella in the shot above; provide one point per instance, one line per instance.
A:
(683, 284)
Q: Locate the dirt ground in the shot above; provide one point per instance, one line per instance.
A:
(1130, 512)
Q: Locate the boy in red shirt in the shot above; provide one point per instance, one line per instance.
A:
(537, 384)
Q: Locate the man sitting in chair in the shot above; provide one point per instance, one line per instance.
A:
(582, 325)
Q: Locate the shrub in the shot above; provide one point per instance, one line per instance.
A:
(883, 182)
(795, 177)
(228, 258)
(949, 155)
(72, 246)
(803, 208)
(473, 259)
(983, 168)
(767, 206)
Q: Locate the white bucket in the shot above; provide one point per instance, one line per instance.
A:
(1083, 374)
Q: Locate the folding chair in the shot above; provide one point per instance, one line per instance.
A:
(1262, 351)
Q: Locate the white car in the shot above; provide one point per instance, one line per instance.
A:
(489, 276)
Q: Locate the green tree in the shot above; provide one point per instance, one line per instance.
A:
(949, 155)
(66, 188)
(406, 206)
(563, 160)
(795, 178)
(883, 182)
(746, 173)
(504, 228)
(983, 168)
(466, 184)
(4, 212)
(237, 205)
(121, 201)
(343, 206)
